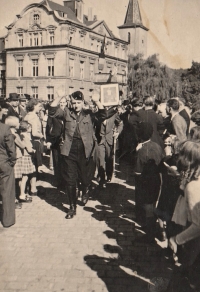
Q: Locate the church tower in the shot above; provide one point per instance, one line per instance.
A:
(133, 30)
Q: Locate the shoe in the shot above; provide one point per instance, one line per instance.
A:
(43, 169)
(18, 205)
(26, 199)
(34, 193)
(102, 185)
(85, 198)
(109, 179)
(71, 213)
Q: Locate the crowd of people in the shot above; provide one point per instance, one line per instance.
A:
(82, 137)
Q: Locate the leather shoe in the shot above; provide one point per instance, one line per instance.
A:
(71, 213)
(18, 205)
(85, 198)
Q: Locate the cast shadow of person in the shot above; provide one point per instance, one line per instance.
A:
(129, 265)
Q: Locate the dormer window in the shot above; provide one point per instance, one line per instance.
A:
(64, 15)
(36, 18)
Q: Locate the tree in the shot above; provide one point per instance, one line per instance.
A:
(150, 77)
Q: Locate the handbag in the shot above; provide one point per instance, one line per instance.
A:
(180, 211)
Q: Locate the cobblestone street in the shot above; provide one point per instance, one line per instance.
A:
(93, 252)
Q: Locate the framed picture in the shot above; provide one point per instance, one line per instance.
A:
(110, 94)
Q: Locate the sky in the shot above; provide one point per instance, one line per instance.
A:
(174, 25)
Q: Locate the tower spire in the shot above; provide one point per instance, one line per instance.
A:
(133, 30)
(133, 15)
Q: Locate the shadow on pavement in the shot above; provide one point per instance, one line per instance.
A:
(130, 264)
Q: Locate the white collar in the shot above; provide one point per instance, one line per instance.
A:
(173, 115)
(146, 142)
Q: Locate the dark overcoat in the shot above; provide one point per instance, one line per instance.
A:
(7, 180)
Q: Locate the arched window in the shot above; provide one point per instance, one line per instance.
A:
(129, 37)
(36, 18)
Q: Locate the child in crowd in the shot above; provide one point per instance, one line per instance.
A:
(13, 122)
(28, 168)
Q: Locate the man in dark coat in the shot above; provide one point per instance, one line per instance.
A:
(147, 178)
(77, 147)
(14, 108)
(148, 115)
(7, 180)
(109, 130)
(54, 130)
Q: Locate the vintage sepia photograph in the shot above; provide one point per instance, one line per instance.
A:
(99, 146)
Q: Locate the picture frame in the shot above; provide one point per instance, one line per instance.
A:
(110, 94)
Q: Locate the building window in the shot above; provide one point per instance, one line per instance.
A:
(50, 94)
(30, 39)
(91, 71)
(116, 51)
(81, 70)
(36, 18)
(51, 67)
(71, 68)
(123, 53)
(41, 39)
(70, 40)
(21, 40)
(98, 46)
(35, 67)
(64, 15)
(51, 37)
(20, 68)
(92, 45)
(3, 74)
(35, 39)
(35, 92)
(129, 37)
(20, 91)
(2, 92)
(81, 41)
(106, 49)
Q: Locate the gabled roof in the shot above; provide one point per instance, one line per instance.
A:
(60, 8)
(99, 22)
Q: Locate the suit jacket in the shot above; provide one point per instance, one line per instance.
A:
(151, 117)
(20, 114)
(186, 117)
(180, 128)
(7, 146)
(85, 127)
(54, 130)
(107, 129)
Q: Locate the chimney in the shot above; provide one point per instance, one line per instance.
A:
(90, 14)
(65, 3)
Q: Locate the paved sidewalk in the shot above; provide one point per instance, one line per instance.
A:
(93, 252)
